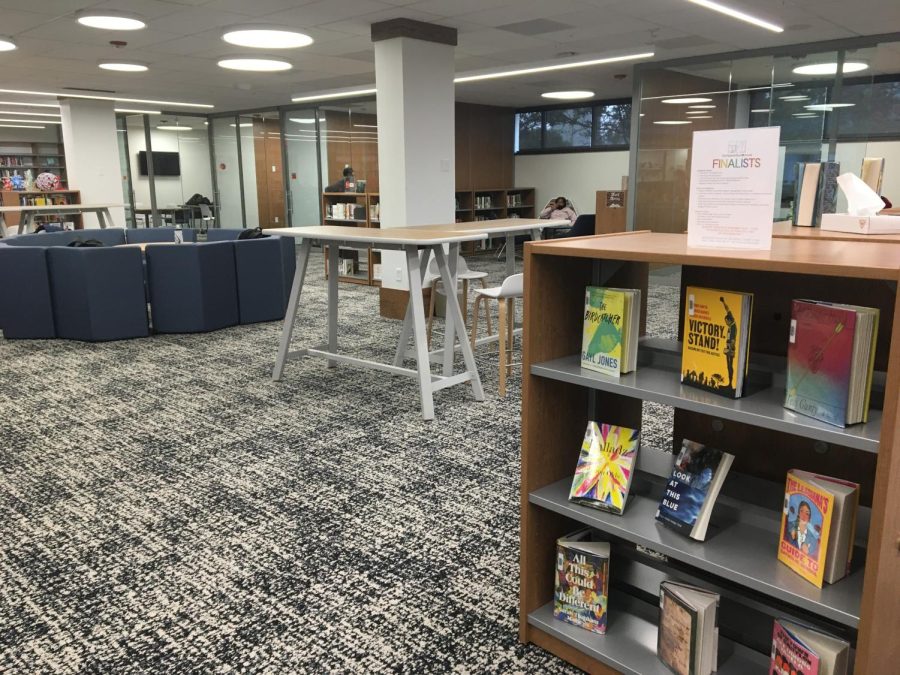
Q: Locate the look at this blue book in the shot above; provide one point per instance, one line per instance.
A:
(693, 488)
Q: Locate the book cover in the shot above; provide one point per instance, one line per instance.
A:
(790, 655)
(690, 485)
(582, 582)
(820, 359)
(805, 528)
(677, 630)
(713, 325)
(605, 467)
(604, 317)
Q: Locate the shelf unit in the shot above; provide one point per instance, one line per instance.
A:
(32, 197)
(503, 203)
(37, 156)
(738, 559)
(357, 213)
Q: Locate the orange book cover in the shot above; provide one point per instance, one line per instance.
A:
(805, 527)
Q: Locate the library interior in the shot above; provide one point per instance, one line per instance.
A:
(431, 336)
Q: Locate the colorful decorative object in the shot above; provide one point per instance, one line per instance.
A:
(6, 182)
(18, 182)
(47, 181)
(29, 180)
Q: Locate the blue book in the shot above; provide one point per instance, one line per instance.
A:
(693, 488)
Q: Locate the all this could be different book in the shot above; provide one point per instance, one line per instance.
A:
(611, 329)
(582, 581)
(606, 467)
(716, 342)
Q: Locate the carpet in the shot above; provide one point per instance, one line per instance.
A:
(166, 507)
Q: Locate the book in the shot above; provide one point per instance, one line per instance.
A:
(688, 637)
(582, 581)
(716, 341)
(605, 467)
(831, 359)
(818, 524)
(801, 650)
(693, 488)
(806, 192)
(872, 172)
(611, 329)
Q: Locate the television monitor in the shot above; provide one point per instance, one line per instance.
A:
(164, 163)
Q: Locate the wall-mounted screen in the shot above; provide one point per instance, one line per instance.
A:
(164, 163)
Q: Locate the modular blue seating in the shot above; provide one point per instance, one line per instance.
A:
(193, 288)
(265, 270)
(26, 307)
(98, 293)
(156, 235)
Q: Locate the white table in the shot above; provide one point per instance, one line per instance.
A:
(29, 212)
(411, 241)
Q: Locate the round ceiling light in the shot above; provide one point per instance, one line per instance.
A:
(830, 68)
(672, 122)
(259, 65)
(828, 107)
(173, 127)
(124, 66)
(573, 95)
(686, 100)
(110, 20)
(266, 38)
(6, 44)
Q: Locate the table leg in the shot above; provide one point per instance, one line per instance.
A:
(25, 222)
(454, 315)
(510, 254)
(333, 257)
(406, 329)
(417, 307)
(449, 320)
(102, 216)
(290, 313)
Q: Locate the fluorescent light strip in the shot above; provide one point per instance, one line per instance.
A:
(31, 105)
(736, 14)
(545, 69)
(343, 94)
(30, 114)
(35, 121)
(104, 98)
(138, 112)
(20, 126)
(724, 91)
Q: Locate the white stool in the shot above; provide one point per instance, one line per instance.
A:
(505, 294)
(464, 274)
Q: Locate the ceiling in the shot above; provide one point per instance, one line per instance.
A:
(182, 42)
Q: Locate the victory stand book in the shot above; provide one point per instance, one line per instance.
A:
(688, 638)
(692, 490)
(582, 581)
(800, 650)
(611, 329)
(606, 467)
(716, 343)
(831, 357)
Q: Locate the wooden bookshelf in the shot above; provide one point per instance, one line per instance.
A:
(32, 197)
(353, 209)
(738, 560)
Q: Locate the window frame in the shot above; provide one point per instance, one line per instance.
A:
(572, 105)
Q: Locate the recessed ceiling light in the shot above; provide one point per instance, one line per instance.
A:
(173, 127)
(735, 14)
(29, 114)
(124, 66)
(830, 68)
(110, 20)
(266, 38)
(828, 106)
(672, 122)
(20, 126)
(794, 97)
(703, 107)
(35, 121)
(255, 64)
(761, 110)
(139, 112)
(544, 69)
(573, 95)
(6, 44)
(687, 99)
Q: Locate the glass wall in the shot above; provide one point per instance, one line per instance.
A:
(302, 167)
(125, 170)
(227, 161)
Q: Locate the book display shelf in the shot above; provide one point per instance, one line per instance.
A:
(738, 560)
(354, 209)
(37, 198)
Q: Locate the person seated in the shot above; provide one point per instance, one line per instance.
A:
(559, 209)
(346, 183)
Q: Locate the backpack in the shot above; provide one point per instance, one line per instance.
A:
(254, 233)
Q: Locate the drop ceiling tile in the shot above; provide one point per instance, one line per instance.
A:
(328, 11)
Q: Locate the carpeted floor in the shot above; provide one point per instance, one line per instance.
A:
(166, 507)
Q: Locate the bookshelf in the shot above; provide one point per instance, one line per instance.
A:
(493, 204)
(35, 197)
(738, 559)
(354, 209)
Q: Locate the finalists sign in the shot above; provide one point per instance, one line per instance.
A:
(732, 195)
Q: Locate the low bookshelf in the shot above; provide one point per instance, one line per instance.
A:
(354, 209)
(739, 558)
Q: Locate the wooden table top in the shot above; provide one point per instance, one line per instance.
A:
(401, 236)
(500, 225)
(785, 229)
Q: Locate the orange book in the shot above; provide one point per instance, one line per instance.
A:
(805, 528)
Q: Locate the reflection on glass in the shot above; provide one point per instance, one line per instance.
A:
(229, 211)
(125, 170)
(567, 128)
(528, 131)
(262, 167)
(302, 167)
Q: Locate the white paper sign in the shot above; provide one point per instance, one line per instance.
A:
(732, 194)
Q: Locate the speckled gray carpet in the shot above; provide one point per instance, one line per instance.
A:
(166, 507)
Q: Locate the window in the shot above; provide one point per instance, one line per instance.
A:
(601, 126)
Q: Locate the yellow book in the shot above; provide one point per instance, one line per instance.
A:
(715, 347)
(805, 528)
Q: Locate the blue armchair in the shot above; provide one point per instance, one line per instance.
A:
(26, 307)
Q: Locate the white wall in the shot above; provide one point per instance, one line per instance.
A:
(577, 175)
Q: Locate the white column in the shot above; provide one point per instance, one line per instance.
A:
(92, 154)
(416, 146)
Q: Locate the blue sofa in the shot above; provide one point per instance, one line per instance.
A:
(26, 310)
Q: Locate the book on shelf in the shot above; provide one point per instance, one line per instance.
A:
(611, 329)
(692, 490)
(806, 188)
(872, 172)
(716, 345)
(818, 524)
(801, 650)
(688, 638)
(582, 581)
(605, 467)
(831, 358)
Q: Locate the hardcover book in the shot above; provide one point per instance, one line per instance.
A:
(805, 528)
(800, 650)
(687, 642)
(605, 467)
(693, 488)
(611, 327)
(716, 340)
(582, 581)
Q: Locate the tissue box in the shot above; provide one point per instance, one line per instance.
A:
(878, 224)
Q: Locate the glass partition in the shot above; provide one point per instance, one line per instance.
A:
(125, 169)
(227, 161)
(262, 169)
(302, 167)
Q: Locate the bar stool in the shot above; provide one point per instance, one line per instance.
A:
(463, 274)
(505, 294)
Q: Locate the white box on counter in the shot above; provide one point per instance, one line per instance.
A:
(878, 224)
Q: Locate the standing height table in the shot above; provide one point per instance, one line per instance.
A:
(29, 212)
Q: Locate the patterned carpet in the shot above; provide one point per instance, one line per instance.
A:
(166, 507)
